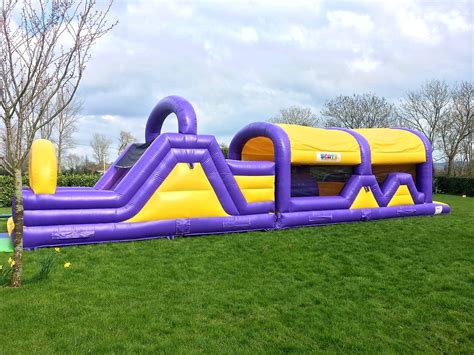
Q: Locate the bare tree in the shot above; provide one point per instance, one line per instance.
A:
(65, 128)
(358, 111)
(424, 110)
(467, 155)
(79, 164)
(44, 48)
(458, 126)
(73, 162)
(125, 139)
(3, 146)
(46, 131)
(60, 130)
(303, 116)
(100, 145)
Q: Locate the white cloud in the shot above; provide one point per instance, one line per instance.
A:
(299, 35)
(417, 28)
(241, 61)
(427, 24)
(454, 21)
(248, 35)
(364, 64)
(110, 118)
(351, 20)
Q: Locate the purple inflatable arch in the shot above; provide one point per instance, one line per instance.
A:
(187, 123)
(242, 195)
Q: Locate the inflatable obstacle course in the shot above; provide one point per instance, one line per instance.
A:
(278, 176)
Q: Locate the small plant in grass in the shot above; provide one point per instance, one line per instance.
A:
(5, 272)
(46, 265)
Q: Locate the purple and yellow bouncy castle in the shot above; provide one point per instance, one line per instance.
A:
(278, 176)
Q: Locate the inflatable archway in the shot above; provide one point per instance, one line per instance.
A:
(278, 176)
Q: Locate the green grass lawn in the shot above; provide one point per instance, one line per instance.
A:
(402, 285)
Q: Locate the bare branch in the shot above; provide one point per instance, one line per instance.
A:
(100, 145)
(424, 110)
(303, 116)
(358, 111)
(125, 139)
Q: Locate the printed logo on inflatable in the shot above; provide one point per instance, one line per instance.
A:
(328, 156)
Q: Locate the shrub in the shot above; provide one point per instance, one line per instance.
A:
(225, 150)
(86, 180)
(7, 189)
(454, 185)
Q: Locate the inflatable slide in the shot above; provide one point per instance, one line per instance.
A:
(278, 176)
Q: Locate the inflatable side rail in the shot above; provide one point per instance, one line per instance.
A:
(278, 176)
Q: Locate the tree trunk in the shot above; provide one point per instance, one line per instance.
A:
(18, 232)
(450, 166)
(60, 157)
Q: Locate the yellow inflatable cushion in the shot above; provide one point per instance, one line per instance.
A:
(364, 199)
(185, 193)
(394, 146)
(257, 188)
(309, 146)
(401, 197)
(10, 226)
(43, 169)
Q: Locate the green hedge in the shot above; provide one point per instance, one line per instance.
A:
(454, 185)
(87, 180)
(7, 188)
(7, 185)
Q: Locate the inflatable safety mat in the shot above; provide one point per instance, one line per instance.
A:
(6, 245)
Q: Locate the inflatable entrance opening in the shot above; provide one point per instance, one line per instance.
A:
(278, 176)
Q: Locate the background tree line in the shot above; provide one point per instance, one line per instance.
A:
(444, 114)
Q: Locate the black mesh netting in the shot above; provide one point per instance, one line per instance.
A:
(318, 180)
(132, 155)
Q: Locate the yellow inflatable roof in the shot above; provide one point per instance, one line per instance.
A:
(318, 146)
(309, 146)
(394, 146)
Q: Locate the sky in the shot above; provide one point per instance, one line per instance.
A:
(242, 61)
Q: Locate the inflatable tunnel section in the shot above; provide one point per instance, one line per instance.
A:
(278, 176)
(325, 176)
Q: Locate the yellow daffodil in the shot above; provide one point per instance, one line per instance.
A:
(1, 267)
(57, 250)
(67, 265)
(10, 260)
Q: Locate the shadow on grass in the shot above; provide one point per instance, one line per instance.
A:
(46, 265)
